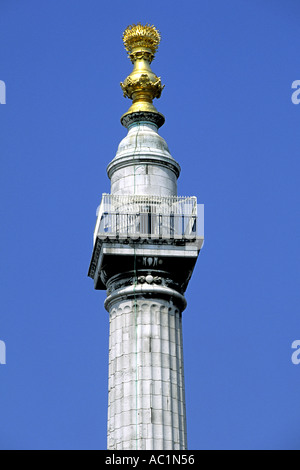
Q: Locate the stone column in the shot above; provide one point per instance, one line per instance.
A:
(146, 379)
(145, 249)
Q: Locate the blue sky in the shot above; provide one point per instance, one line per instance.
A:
(230, 123)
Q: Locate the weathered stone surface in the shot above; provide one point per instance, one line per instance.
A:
(143, 164)
(146, 380)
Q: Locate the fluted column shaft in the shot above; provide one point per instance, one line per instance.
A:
(146, 379)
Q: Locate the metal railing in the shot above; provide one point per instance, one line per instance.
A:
(149, 217)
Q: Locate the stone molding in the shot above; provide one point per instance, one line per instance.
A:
(142, 116)
(142, 158)
(150, 278)
(136, 291)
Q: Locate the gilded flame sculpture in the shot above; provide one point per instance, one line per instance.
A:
(142, 85)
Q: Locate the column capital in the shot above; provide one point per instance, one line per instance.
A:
(138, 290)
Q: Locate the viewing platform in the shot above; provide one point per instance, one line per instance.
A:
(155, 217)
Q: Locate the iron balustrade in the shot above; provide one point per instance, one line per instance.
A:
(149, 217)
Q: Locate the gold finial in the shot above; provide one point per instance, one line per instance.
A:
(141, 39)
(142, 85)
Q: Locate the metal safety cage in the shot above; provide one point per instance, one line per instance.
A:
(149, 217)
